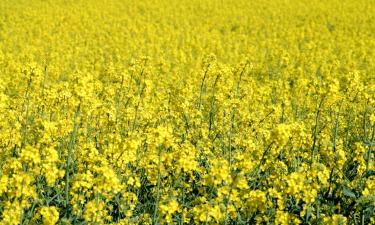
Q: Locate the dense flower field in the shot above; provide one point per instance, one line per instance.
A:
(187, 112)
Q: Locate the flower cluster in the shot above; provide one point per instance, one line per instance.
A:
(187, 112)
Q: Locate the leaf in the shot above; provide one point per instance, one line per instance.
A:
(348, 192)
(369, 173)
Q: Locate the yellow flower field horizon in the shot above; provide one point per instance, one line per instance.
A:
(187, 112)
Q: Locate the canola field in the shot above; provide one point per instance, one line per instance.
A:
(187, 112)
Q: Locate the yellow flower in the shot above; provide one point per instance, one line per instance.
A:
(50, 215)
(335, 219)
(169, 209)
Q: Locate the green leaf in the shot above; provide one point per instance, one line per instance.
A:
(348, 192)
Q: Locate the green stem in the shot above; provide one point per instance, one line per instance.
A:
(69, 156)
